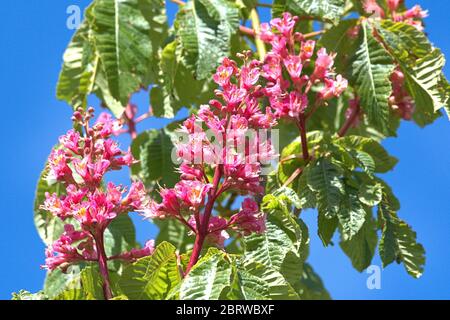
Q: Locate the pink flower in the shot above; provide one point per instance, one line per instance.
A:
(415, 12)
(137, 198)
(223, 75)
(71, 141)
(294, 104)
(58, 165)
(107, 126)
(62, 253)
(307, 49)
(333, 88)
(233, 96)
(294, 66)
(249, 219)
(272, 67)
(324, 62)
(217, 234)
(393, 4)
(285, 25)
(265, 33)
(372, 7)
(135, 254)
(249, 77)
(192, 192)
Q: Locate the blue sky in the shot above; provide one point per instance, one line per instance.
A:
(33, 35)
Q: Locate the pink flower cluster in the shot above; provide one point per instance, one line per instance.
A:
(289, 96)
(411, 16)
(225, 138)
(80, 163)
(400, 101)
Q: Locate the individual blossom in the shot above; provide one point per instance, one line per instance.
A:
(135, 254)
(216, 234)
(249, 219)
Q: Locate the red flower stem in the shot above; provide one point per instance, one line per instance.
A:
(103, 265)
(349, 122)
(247, 31)
(301, 124)
(202, 229)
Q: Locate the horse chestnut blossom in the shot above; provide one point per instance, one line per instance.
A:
(400, 101)
(80, 162)
(412, 16)
(288, 97)
(223, 149)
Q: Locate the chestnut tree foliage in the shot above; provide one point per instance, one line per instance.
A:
(335, 77)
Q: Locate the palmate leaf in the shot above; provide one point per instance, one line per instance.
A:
(127, 41)
(326, 10)
(398, 241)
(203, 30)
(153, 149)
(422, 65)
(176, 233)
(152, 277)
(372, 68)
(208, 278)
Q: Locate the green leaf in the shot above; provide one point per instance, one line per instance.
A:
(372, 69)
(153, 149)
(422, 65)
(79, 70)
(120, 236)
(246, 286)
(361, 248)
(208, 278)
(311, 286)
(383, 161)
(277, 255)
(176, 233)
(57, 281)
(26, 295)
(337, 40)
(152, 277)
(326, 228)
(75, 285)
(176, 86)
(398, 242)
(127, 35)
(370, 193)
(327, 10)
(324, 180)
(351, 213)
(48, 226)
(203, 30)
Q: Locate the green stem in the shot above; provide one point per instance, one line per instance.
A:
(256, 24)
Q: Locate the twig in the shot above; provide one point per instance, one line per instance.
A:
(349, 122)
(247, 31)
(178, 2)
(313, 34)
